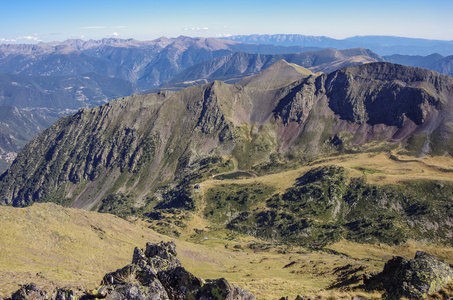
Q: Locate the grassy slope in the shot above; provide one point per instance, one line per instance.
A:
(51, 245)
(55, 246)
(379, 168)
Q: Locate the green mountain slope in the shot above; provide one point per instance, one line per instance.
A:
(58, 247)
(143, 154)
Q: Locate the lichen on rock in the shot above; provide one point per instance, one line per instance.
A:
(412, 278)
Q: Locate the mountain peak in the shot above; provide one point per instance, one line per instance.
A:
(277, 75)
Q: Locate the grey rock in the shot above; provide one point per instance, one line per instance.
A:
(29, 292)
(412, 278)
(63, 294)
(139, 257)
(157, 273)
(135, 292)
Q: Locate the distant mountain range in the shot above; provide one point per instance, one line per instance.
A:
(234, 67)
(146, 64)
(66, 76)
(383, 45)
(434, 62)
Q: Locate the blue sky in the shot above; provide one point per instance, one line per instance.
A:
(31, 21)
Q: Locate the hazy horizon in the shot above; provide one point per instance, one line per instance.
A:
(48, 20)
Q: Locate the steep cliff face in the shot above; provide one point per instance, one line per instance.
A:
(147, 145)
(387, 93)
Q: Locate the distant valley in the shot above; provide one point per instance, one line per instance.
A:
(17, 127)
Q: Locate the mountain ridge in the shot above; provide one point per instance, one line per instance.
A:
(236, 66)
(147, 64)
(217, 119)
(383, 45)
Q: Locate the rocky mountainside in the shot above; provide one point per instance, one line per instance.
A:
(384, 45)
(29, 104)
(234, 67)
(145, 153)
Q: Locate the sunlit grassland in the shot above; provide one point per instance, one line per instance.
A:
(55, 246)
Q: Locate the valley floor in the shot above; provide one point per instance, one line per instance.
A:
(56, 246)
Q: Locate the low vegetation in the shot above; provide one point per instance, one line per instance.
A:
(366, 198)
(55, 246)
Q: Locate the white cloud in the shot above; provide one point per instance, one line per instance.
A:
(224, 35)
(102, 27)
(28, 37)
(33, 38)
(93, 27)
(195, 29)
(114, 34)
(7, 40)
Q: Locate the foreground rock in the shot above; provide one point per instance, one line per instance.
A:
(412, 278)
(156, 274)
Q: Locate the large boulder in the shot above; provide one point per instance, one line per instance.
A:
(157, 273)
(412, 278)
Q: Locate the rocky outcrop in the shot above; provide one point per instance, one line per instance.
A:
(30, 291)
(155, 273)
(412, 278)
